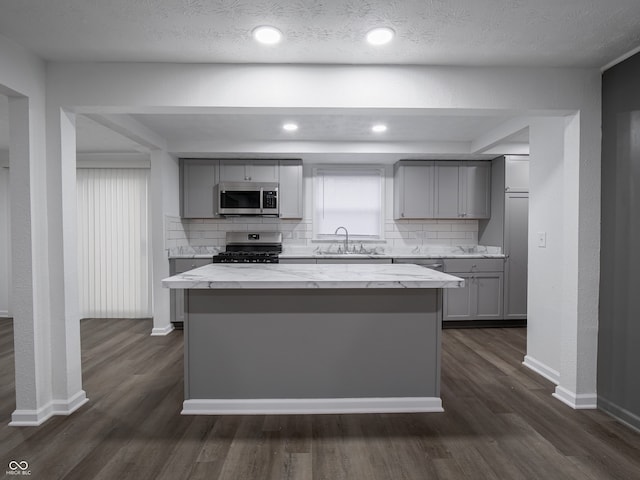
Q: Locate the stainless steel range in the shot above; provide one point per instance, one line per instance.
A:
(251, 247)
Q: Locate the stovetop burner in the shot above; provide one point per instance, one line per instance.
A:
(246, 257)
(243, 247)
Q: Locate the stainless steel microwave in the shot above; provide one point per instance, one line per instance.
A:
(247, 198)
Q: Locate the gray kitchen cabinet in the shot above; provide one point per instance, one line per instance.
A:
(462, 190)
(482, 296)
(248, 170)
(290, 189)
(447, 190)
(508, 228)
(198, 178)
(351, 259)
(475, 190)
(516, 233)
(456, 189)
(177, 266)
(413, 187)
(516, 175)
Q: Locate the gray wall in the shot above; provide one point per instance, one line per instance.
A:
(619, 324)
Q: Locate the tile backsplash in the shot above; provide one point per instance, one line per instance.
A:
(208, 235)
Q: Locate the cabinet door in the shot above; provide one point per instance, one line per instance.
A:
(457, 302)
(516, 227)
(516, 175)
(414, 195)
(290, 191)
(447, 186)
(248, 170)
(488, 288)
(232, 171)
(475, 190)
(199, 178)
(262, 171)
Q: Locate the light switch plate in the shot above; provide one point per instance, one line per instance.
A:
(542, 239)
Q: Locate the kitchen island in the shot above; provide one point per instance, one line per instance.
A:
(276, 338)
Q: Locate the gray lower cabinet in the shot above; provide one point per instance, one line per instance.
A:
(176, 266)
(482, 296)
(198, 178)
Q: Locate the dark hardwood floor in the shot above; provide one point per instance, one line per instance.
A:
(500, 423)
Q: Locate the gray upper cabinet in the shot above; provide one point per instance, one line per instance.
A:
(290, 191)
(474, 199)
(424, 189)
(413, 183)
(248, 170)
(447, 191)
(463, 190)
(198, 178)
(516, 173)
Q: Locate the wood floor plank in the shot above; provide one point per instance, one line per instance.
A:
(500, 422)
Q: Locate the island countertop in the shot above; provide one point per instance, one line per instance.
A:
(288, 276)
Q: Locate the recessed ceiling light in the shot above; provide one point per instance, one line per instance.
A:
(379, 128)
(290, 127)
(267, 35)
(380, 36)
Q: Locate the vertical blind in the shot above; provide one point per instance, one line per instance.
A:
(113, 243)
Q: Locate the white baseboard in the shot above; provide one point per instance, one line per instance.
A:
(34, 418)
(623, 415)
(161, 332)
(577, 401)
(4, 314)
(290, 406)
(542, 369)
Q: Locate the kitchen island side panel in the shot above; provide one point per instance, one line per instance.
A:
(316, 343)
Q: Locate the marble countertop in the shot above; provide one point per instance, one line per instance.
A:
(287, 276)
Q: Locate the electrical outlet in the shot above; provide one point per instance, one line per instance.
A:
(542, 239)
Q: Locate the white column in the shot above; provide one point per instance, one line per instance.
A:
(564, 273)
(30, 270)
(164, 201)
(66, 364)
(579, 334)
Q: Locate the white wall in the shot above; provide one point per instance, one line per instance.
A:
(5, 243)
(546, 187)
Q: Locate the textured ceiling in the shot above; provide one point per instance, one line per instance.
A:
(346, 127)
(588, 33)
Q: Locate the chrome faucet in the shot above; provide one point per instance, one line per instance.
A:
(346, 238)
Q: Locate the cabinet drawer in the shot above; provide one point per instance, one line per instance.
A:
(471, 265)
(181, 265)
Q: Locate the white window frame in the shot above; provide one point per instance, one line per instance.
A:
(319, 171)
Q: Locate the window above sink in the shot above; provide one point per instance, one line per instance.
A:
(350, 196)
